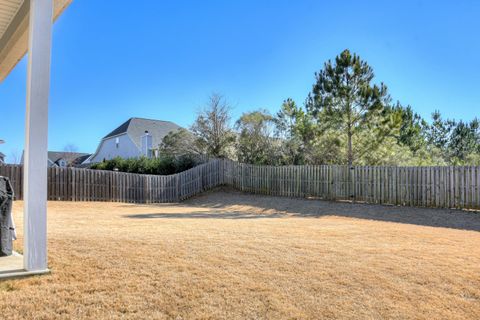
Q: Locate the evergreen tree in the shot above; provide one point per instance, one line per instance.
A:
(463, 141)
(178, 143)
(439, 131)
(297, 131)
(256, 144)
(412, 131)
(344, 98)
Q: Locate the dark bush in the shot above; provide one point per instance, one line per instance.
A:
(160, 166)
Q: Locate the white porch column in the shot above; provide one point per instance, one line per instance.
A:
(36, 135)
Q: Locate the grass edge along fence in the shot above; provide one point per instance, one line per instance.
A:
(436, 187)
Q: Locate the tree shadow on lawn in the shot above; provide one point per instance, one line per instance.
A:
(223, 205)
(205, 215)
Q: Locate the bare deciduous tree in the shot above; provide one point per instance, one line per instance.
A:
(212, 129)
(15, 157)
(68, 149)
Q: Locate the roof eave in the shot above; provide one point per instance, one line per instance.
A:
(14, 42)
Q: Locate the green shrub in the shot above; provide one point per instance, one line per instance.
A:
(160, 166)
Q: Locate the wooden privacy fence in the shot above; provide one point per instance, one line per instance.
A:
(440, 187)
(73, 184)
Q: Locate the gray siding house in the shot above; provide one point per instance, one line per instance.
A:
(135, 138)
(64, 159)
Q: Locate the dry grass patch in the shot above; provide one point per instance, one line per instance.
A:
(227, 255)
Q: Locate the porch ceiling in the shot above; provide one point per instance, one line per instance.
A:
(14, 31)
(8, 9)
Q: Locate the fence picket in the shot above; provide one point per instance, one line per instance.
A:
(440, 187)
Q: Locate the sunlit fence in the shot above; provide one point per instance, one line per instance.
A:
(439, 187)
(74, 184)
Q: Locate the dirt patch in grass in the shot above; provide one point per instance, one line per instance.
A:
(228, 255)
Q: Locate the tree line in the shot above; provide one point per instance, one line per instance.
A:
(345, 119)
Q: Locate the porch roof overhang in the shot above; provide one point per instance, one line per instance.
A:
(14, 19)
(26, 25)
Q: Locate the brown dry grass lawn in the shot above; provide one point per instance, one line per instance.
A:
(227, 255)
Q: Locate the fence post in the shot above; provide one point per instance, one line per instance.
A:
(351, 184)
(177, 189)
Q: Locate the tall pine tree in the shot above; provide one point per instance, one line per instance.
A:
(344, 98)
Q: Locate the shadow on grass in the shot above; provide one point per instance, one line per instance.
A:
(222, 205)
(205, 215)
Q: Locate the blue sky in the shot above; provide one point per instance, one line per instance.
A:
(161, 59)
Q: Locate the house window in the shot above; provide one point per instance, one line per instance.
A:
(117, 142)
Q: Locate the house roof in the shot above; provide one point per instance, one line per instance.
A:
(120, 130)
(136, 127)
(71, 157)
(14, 19)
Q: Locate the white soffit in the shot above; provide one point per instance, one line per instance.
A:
(14, 31)
(8, 10)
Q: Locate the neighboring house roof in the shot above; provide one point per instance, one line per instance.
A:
(136, 127)
(72, 158)
(121, 129)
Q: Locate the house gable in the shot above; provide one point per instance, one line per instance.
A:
(115, 146)
(126, 140)
(158, 129)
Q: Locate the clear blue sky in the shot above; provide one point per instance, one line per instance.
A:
(161, 59)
